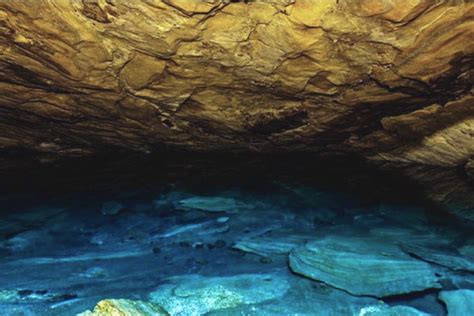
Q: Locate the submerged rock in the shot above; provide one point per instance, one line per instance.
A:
(304, 298)
(451, 261)
(269, 246)
(210, 227)
(403, 235)
(117, 253)
(197, 295)
(94, 272)
(123, 307)
(458, 302)
(468, 251)
(26, 296)
(362, 267)
(384, 310)
(212, 204)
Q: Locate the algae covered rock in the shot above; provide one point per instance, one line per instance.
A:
(123, 307)
(458, 302)
(362, 267)
(197, 295)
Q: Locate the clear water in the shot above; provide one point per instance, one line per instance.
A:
(77, 232)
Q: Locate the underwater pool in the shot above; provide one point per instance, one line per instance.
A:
(228, 236)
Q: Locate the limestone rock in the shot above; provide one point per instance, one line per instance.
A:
(209, 227)
(459, 302)
(384, 310)
(391, 81)
(440, 257)
(27, 296)
(362, 267)
(211, 204)
(467, 251)
(197, 295)
(268, 246)
(123, 307)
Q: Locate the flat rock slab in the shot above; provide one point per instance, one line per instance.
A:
(111, 254)
(210, 227)
(32, 296)
(445, 259)
(270, 246)
(467, 251)
(197, 295)
(411, 236)
(362, 267)
(305, 298)
(211, 204)
(458, 302)
(384, 310)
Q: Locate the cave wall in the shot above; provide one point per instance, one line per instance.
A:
(391, 80)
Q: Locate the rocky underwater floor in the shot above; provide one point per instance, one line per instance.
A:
(232, 236)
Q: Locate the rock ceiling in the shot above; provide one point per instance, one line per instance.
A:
(391, 80)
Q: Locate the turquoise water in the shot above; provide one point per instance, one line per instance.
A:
(286, 236)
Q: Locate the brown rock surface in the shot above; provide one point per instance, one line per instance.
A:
(386, 78)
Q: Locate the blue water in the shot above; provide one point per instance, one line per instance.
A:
(77, 232)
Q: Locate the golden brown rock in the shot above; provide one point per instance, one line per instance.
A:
(123, 307)
(389, 79)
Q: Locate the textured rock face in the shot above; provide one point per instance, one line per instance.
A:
(458, 302)
(123, 307)
(362, 267)
(197, 295)
(389, 79)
